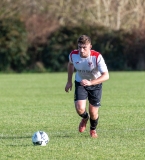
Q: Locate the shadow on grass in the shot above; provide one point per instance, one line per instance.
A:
(69, 135)
(19, 145)
(14, 137)
(16, 141)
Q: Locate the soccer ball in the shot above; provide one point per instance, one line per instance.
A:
(40, 138)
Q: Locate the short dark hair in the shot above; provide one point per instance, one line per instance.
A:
(83, 39)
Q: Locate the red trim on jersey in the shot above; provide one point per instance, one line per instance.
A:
(95, 53)
(73, 52)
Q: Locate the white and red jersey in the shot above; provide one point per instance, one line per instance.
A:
(89, 68)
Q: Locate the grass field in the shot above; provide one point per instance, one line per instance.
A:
(32, 102)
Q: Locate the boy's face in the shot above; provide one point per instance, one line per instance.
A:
(84, 49)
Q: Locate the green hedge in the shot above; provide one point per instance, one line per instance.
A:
(110, 44)
(13, 45)
(121, 50)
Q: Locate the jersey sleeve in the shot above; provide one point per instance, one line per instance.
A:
(102, 67)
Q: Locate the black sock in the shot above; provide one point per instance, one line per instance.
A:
(93, 123)
(84, 115)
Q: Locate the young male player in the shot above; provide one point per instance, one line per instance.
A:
(91, 71)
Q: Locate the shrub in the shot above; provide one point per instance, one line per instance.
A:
(109, 43)
(13, 45)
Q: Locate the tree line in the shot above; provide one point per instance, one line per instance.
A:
(39, 35)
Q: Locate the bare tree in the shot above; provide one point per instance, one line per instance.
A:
(115, 14)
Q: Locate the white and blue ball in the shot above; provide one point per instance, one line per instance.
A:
(40, 138)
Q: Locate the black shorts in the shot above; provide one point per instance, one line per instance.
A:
(93, 93)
